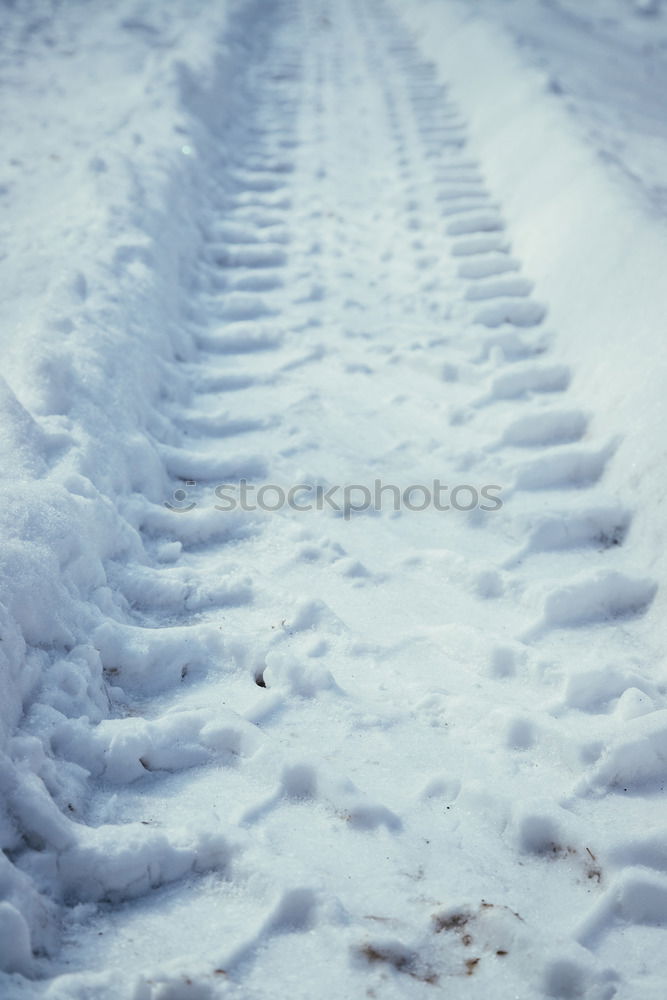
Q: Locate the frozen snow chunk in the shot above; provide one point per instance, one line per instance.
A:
(299, 781)
(113, 748)
(546, 427)
(190, 528)
(601, 527)
(169, 744)
(177, 590)
(591, 690)
(75, 686)
(541, 827)
(123, 750)
(305, 680)
(208, 465)
(563, 468)
(313, 614)
(41, 821)
(242, 305)
(359, 811)
(258, 281)
(476, 203)
(634, 703)
(232, 256)
(155, 659)
(216, 422)
(518, 312)
(603, 596)
(175, 744)
(637, 896)
(144, 587)
(525, 378)
(232, 232)
(116, 863)
(480, 245)
(498, 288)
(538, 834)
(231, 735)
(475, 222)
(487, 265)
(509, 345)
(15, 947)
(242, 337)
(637, 756)
(258, 180)
(453, 192)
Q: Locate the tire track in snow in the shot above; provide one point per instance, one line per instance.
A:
(576, 599)
(352, 253)
(508, 306)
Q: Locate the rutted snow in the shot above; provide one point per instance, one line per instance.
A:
(341, 752)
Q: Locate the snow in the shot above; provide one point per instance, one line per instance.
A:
(363, 250)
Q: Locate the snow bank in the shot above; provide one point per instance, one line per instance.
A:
(109, 134)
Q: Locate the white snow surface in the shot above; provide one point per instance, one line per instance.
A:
(333, 753)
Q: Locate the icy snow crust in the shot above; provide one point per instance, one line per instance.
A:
(329, 754)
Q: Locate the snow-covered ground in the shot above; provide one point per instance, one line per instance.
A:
(364, 749)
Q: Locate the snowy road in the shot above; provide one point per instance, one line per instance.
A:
(361, 751)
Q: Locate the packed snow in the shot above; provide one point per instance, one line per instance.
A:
(332, 542)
